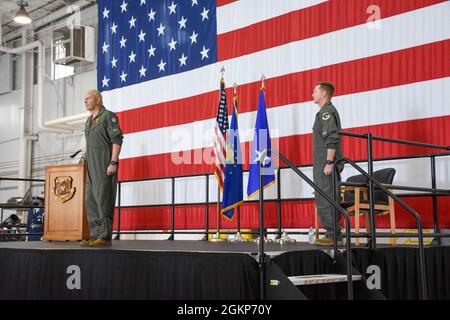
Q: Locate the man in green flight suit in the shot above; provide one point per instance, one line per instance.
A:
(103, 144)
(326, 150)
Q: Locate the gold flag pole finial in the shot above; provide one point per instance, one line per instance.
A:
(222, 72)
(263, 77)
(235, 96)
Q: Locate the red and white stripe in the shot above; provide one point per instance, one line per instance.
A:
(390, 81)
(220, 149)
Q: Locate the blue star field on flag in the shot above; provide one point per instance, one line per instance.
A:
(141, 40)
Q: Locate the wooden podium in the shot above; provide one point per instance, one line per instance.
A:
(65, 213)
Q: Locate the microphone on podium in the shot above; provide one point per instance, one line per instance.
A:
(75, 154)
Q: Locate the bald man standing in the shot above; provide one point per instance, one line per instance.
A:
(103, 144)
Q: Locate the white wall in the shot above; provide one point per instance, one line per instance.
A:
(62, 97)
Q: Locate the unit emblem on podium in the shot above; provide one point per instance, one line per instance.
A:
(63, 190)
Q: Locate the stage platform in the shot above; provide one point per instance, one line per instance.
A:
(191, 270)
(271, 249)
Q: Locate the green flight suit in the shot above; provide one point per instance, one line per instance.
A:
(101, 133)
(325, 136)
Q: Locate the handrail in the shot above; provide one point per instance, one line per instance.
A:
(18, 206)
(22, 179)
(396, 187)
(184, 204)
(343, 133)
(404, 205)
(327, 198)
(300, 165)
(417, 156)
(407, 157)
(369, 137)
(399, 141)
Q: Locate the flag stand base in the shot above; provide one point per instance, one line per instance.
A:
(285, 239)
(216, 238)
(238, 238)
(266, 240)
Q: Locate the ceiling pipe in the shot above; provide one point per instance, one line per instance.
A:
(40, 79)
(69, 120)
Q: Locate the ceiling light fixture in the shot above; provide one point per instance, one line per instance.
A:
(22, 16)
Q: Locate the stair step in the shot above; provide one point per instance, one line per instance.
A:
(321, 278)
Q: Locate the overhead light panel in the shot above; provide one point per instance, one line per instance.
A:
(22, 16)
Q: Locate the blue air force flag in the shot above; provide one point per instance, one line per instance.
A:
(261, 143)
(233, 189)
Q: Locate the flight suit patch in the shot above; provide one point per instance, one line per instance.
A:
(326, 116)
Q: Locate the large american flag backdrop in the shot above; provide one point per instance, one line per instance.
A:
(159, 65)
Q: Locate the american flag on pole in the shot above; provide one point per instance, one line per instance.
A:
(220, 142)
(159, 62)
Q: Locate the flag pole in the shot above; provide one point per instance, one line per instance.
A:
(266, 239)
(216, 237)
(238, 237)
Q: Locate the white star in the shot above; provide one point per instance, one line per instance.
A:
(204, 14)
(142, 71)
(105, 82)
(113, 62)
(182, 60)
(259, 155)
(143, 2)
(172, 8)
(151, 51)
(160, 29)
(132, 22)
(151, 15)
(114, 28)
(105, 47)
(141, 36)
(105, 13)
(122, 42)
(123, 6)
(161, 65)
(204, 53)
(194, 37)
(182, 22)
(194, 2)
(123, 76)
(172, 44)
(132, 56)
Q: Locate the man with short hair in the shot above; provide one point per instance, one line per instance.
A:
(103, 144)
(326, 150)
